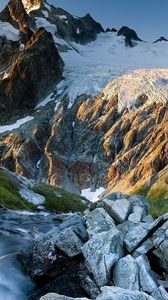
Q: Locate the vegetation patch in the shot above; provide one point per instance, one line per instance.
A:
(157, 196)
(9, 195)
(59, 199)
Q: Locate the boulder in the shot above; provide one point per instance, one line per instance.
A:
(75, 282)
(160, 294)
(125, 273)
(136, 215)
(52, 253)
(139, 202)
(164, 254)
(118, 210)
(115, 293)
(146, 276)
(76, 222)
(137, 234)
(160, 242)
(53, 296)
(148, 219)
(160, 235)
(145, 247)
(101, 252)
(69, 243)
(98, 221)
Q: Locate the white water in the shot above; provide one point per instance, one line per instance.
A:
(16, 232)
(14, 285)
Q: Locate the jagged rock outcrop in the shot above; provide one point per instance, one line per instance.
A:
(161, 39)
(80, 30)
(126, 148)
(29, 14)
(111, 30)
(31, 5)
(31, 65)
(31, 76)
(103, 265)
(130, 36)
(8, 52)
(15, 14)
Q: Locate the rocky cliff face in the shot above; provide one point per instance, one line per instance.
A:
(130, 36)
(36, 69)
(15, 14)
(95, 143)
(29, 61)
(31, 5)
(29, 14)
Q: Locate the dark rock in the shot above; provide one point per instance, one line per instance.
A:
(58, 250)
(111, 30)
(115, 293)
(8, 52)
(127, 32)
(130, 36)
(15, 14)
(75, 282)
(36, 70)
(161, 39)
(81, 30)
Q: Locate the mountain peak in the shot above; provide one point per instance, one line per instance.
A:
(161, 39)
(31, 5)
(129, 34)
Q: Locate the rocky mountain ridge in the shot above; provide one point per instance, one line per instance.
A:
(82, 136)
(112, 155)
(31, 76)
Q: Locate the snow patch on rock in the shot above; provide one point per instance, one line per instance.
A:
(9, 31)
(16, 125)
(93, 196)
(52, 28)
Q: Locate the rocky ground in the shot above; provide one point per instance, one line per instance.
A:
(115, 250)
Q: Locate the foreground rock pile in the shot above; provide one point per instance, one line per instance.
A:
(114, 251)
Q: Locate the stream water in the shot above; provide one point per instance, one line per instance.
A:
(17, 229)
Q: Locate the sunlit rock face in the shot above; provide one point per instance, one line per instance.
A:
(15, 14)
(92, 144)
(31, 5)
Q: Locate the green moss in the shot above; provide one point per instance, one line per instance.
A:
(10, 197)
(59, 199)
(157, 196)
(143, 191)
(158, 207)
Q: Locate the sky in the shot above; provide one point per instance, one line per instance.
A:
(147, 17)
